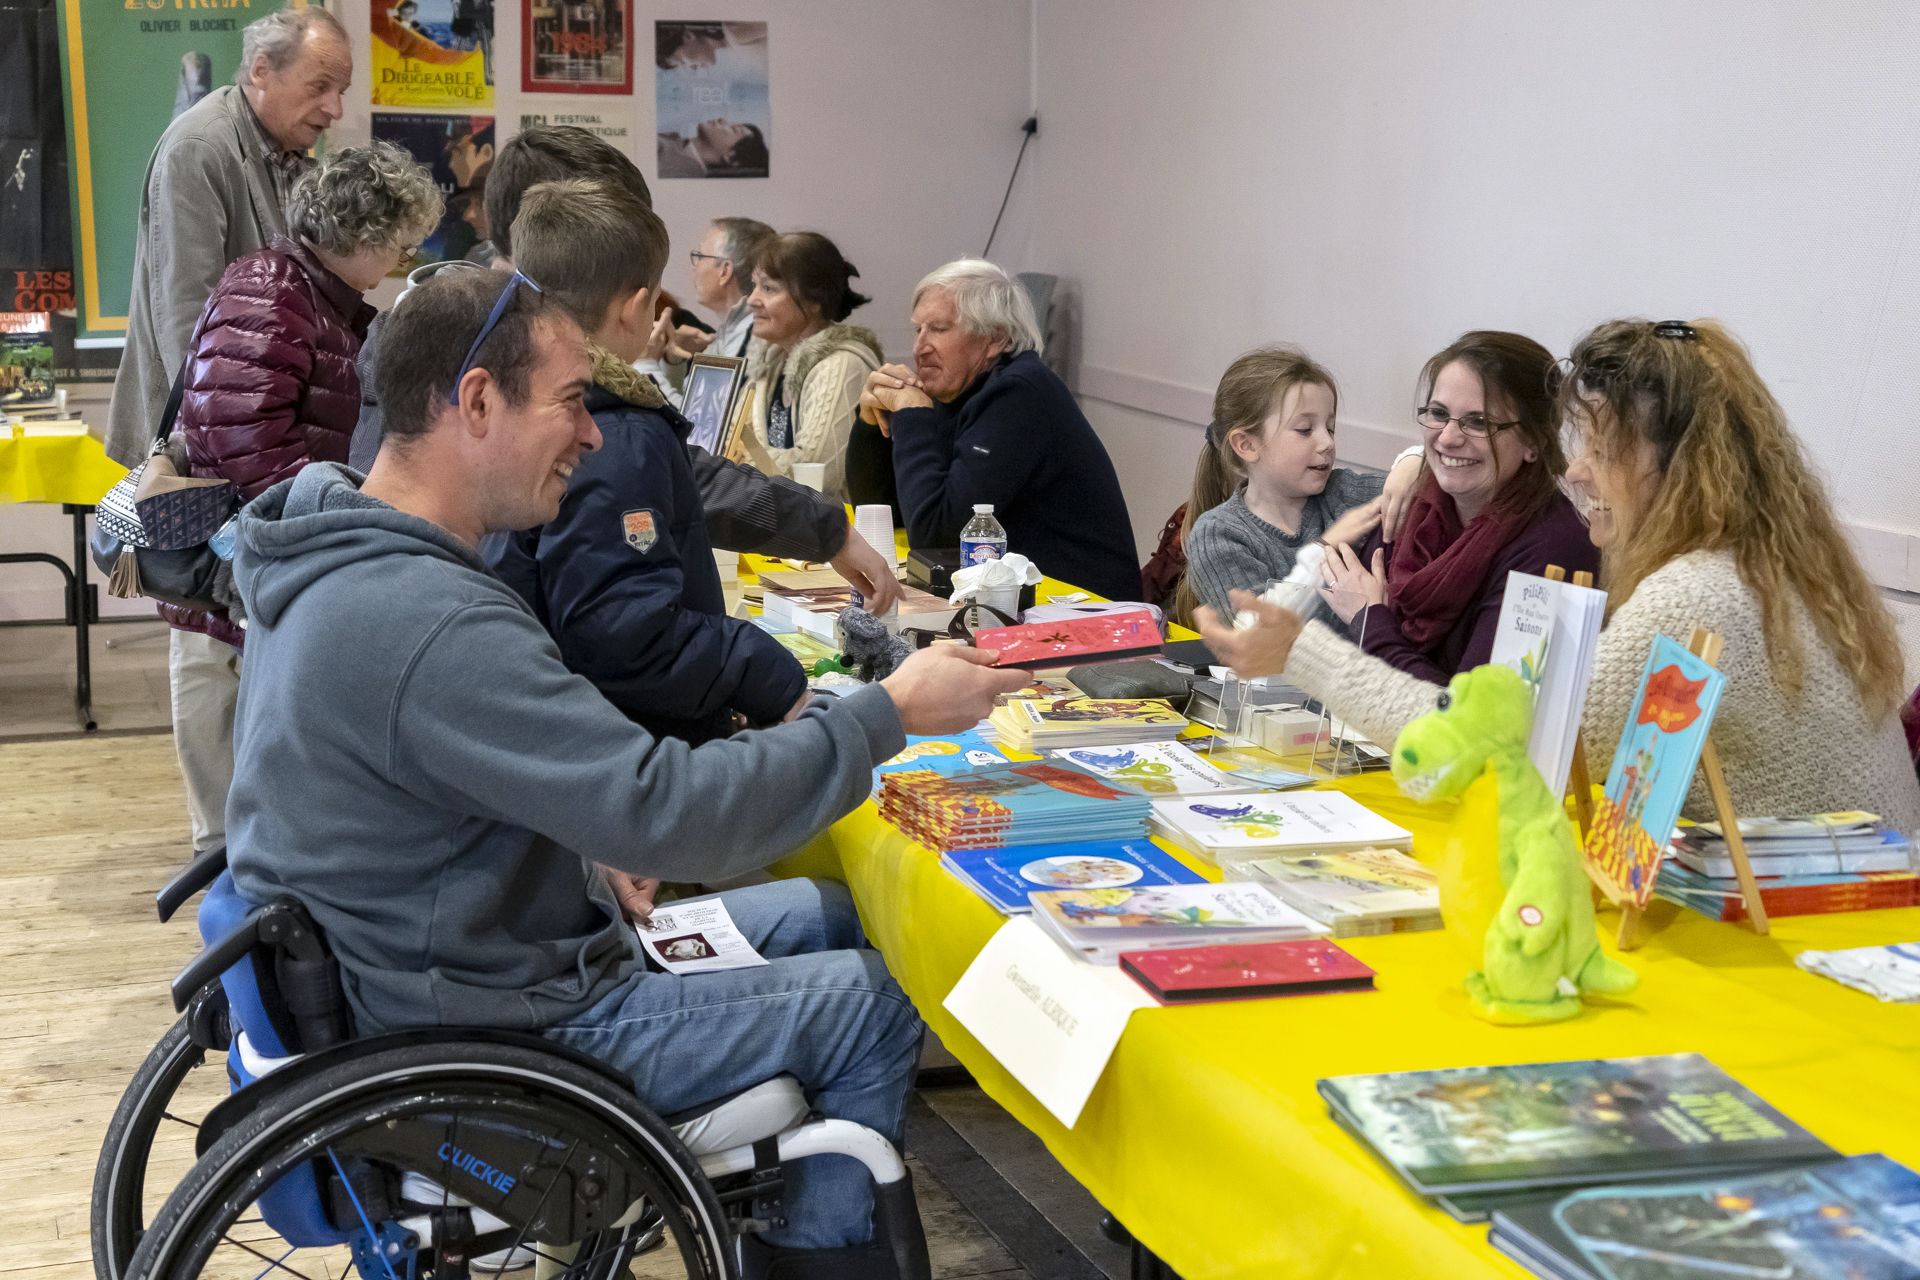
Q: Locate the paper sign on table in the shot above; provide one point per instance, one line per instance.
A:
(1049, 1020)
(696, 937)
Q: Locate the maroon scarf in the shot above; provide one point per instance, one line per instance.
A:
(1438, 566)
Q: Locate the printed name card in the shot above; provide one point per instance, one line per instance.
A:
(1050, 1020)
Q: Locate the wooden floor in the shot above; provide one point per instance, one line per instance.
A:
(89, 828)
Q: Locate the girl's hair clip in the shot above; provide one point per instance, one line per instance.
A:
(1678, 329)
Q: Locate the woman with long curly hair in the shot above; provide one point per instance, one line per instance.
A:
(1707, 514)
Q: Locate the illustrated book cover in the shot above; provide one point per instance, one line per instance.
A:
(1104, 638)
(1004, 877)
(1244, 971)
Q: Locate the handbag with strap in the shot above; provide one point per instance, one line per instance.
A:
(150, 531)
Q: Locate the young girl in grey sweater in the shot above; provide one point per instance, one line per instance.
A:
(1265, 485)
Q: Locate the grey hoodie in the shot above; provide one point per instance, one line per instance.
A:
(416, 765)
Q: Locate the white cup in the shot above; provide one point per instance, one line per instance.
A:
(811, 474)
(874, 522)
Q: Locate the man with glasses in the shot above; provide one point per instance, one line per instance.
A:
(457, 784)
(722, 278)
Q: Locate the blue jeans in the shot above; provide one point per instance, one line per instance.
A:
(825, 1011)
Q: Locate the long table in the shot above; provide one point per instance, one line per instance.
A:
(1205, 1136)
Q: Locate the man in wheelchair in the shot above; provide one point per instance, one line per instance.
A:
(416, 766)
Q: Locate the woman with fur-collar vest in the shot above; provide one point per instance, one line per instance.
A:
(805, 366)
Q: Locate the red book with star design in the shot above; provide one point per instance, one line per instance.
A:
(1106, 637)
(1246, 971)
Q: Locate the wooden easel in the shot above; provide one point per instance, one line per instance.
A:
(1706, 646)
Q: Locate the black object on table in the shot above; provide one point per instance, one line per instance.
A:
(83, 605)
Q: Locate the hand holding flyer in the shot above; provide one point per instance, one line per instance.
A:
(696, 937)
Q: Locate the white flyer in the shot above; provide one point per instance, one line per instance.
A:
(696, 937)
(1049, 1019)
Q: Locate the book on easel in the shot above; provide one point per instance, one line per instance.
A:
(1665, 741)
(1548, 631)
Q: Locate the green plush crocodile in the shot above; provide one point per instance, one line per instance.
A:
(1541, 950)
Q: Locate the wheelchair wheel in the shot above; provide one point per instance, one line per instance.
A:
(160, 1110)
(555, 1150)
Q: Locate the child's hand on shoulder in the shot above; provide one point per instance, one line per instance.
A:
(1354, 525)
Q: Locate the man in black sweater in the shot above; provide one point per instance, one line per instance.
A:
(981, 419)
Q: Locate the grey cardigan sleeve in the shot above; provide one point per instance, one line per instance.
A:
(748, 510)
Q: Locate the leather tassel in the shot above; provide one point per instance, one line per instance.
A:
(124, 582)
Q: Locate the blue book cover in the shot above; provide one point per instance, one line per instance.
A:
(1004, 877)
(1857, 1219)
(945, 755)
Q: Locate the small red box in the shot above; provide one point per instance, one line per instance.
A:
(1106, 637)
(1246, 971)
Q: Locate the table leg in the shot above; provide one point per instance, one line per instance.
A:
(83, 650)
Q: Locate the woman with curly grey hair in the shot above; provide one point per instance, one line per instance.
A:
(269, 385)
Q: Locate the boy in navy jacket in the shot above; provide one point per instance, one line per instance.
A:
(624, 578)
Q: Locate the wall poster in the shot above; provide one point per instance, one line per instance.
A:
(576, 46)
(128, 67)
(432, 53)
(612, 122)
(458, 150)
(710, 99)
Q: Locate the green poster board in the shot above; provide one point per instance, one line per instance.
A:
(127, 67)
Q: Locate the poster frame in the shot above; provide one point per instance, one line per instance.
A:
(530, 85)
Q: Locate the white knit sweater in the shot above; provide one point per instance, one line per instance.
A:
(1781, 753)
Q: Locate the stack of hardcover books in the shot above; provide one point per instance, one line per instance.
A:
(1039, 727)
(1098, 924)
(1041, 802)
(948, 755)
(1475, 1139)
(1357, 894)
(1005, 877)
(1811, 864)
(1298, 822)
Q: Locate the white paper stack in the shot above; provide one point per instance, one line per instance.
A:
(1294, 822)
(1548, 632)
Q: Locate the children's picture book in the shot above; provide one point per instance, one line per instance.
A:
(949, 755)
(1721, 899)
(1104, 638)
(1004, 877)
(1293, 822)
(1157, 768)
(1064, 723)
(1358, 893)
(1245, 971)
(1875, 848)
(1855, 1219)
(1098, 924)
(1548, 632)
(1042, 802)
(1556, 1123)
(1652, 770)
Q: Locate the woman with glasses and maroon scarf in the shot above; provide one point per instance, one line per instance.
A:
(1488, 502)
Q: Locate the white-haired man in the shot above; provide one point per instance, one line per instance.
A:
(216, 190)
(981, 419)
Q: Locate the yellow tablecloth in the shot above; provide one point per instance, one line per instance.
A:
(1205, 1135)
(55, 469)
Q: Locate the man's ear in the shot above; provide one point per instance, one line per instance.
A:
(635, 313)
(477, 391)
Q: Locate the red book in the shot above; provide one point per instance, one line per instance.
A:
(1105, 637)
(1246, 971)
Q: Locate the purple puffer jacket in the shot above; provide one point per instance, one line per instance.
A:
(271, 383)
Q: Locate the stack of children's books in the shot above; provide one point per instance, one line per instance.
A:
(1098, 924)
(1062, 723)
(1040, 802)
(946, 755)
(1159, 768)
(1004, 877)
(1356, 894)
(1475, 1139)
(1811, 864)
(1297, 822)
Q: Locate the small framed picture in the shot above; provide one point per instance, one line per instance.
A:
(707, 398)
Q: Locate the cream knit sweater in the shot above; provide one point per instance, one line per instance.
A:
(1782, 754)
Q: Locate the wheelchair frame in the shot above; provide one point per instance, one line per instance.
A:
(275, 963)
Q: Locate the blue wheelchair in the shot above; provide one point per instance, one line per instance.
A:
(438, 1153)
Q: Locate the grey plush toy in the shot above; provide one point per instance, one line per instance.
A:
(867, 643)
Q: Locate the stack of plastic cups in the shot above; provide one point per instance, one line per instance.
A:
(875, 524)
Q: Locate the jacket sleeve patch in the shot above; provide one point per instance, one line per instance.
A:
(637, 530)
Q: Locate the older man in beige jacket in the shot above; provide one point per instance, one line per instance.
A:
(216, 190)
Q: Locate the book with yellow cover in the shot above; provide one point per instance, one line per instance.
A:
(1062, 723)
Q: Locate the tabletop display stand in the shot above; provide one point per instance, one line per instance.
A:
(83, 606)
(1579, 781)
(1706, 646)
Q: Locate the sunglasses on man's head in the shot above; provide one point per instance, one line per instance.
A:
(493, 318)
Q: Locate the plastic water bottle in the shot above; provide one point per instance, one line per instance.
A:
(224, 537)
(983, 539)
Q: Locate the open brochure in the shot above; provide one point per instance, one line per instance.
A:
(696, 937)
